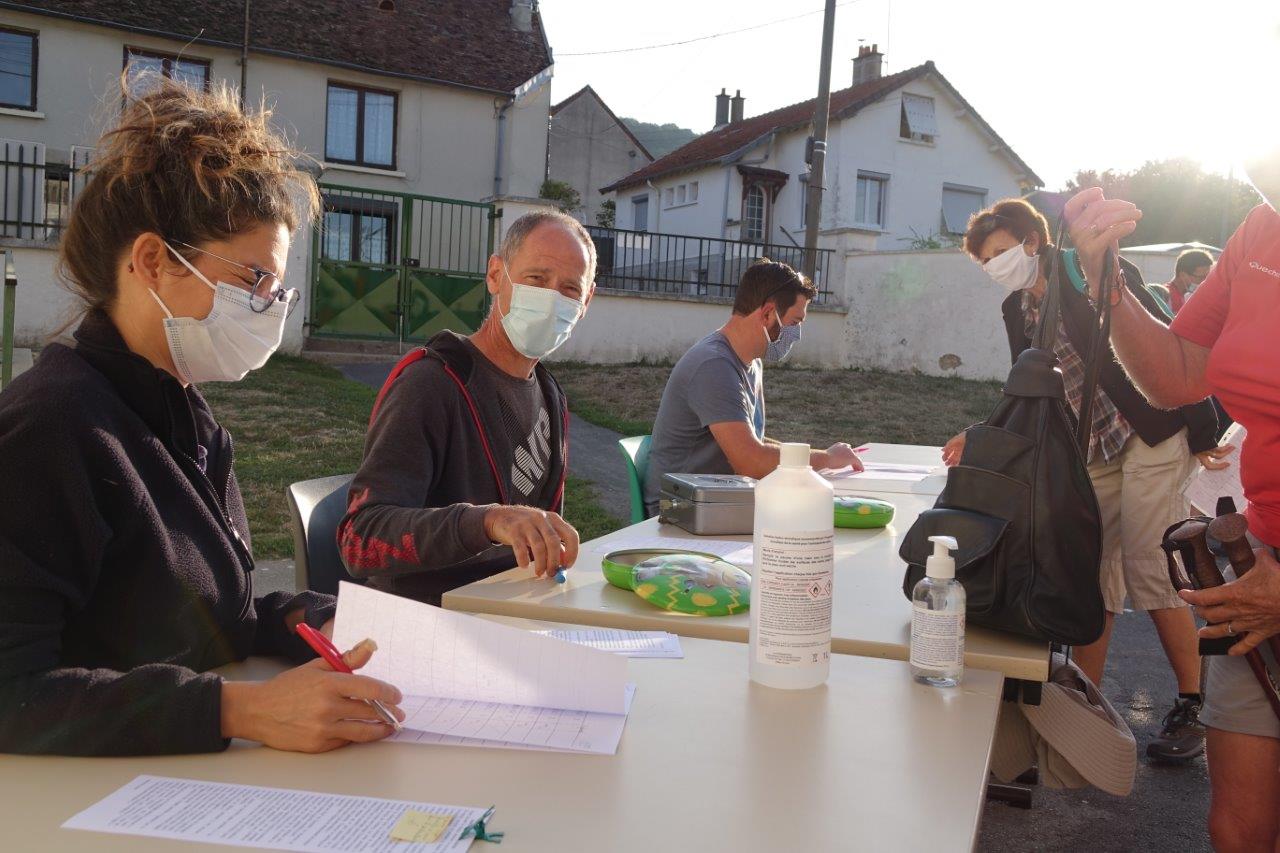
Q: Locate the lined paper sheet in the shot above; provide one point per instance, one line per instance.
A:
(483, 683)
(427, 651)
(634, 644)
(483, 724)
(272, 818)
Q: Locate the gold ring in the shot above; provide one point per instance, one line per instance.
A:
(1231, 630)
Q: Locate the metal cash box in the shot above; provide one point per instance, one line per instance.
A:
(708, 504)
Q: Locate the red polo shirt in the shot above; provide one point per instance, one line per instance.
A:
(1236, 314)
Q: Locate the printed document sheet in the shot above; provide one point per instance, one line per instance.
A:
(1203, 488)
(886, 477)
(271, 818)
(633, 644)
(477, 680)
(735, 551)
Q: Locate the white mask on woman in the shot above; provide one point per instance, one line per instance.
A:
(1013, 269)
(227, 344)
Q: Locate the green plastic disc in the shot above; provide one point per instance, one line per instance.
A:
(863, 513)
(682, 582)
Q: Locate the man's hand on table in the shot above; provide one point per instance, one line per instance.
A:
(540, 539)
(839, 455)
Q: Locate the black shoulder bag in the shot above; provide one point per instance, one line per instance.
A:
(1020, 503)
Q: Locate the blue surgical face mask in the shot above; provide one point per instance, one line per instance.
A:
(540, 319)
(780, 350)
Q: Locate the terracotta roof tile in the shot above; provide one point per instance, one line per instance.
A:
(469, 43)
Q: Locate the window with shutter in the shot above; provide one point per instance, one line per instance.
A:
(958, 204)
(918, 120)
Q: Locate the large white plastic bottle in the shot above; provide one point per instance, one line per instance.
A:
(790, 634)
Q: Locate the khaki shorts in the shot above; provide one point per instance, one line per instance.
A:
(1140, 495)
(1233, 699)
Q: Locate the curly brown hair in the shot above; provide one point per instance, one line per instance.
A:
(187, 164)
(1014, 215)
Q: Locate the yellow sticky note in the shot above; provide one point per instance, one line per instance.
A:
(423, 827)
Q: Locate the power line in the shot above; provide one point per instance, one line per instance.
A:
(707, 37)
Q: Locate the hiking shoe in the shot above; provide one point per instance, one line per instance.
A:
(1182, 737)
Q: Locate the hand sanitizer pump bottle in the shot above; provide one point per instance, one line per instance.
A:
(790, 623)
(937, 619)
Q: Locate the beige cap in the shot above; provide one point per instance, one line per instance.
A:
(1074, 736)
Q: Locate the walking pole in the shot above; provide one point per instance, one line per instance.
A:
(10, 298)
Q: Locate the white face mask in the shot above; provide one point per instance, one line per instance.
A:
(227, 344)
(540, 319)
(1013, 269)
(780, 350)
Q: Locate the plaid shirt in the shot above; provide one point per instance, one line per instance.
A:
(1110, 429)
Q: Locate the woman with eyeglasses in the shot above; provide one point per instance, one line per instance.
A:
(125, 563)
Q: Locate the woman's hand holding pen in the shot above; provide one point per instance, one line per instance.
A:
(310, 708)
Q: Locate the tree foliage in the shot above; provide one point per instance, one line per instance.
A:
(608, 214)
(1180, 202)
(562, 193)
(659, 139)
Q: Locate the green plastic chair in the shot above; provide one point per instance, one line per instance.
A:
(636, 451)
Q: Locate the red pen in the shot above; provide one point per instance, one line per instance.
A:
(320, 644)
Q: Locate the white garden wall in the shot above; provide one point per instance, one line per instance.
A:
(932, 312)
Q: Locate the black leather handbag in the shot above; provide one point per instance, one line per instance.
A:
(1020, 503)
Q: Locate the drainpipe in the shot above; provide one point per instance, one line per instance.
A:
(500, 114)
(244, 56)
(657, 207)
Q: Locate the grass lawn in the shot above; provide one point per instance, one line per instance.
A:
(817, 406)
(296, 420)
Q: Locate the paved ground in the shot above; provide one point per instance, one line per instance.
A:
(1168, 808)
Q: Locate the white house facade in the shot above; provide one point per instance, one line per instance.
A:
(908, 159)
(416, 142)
(588, 147)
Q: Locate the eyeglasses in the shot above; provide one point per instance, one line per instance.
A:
(267, 289)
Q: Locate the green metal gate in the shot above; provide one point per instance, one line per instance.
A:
(398, 266)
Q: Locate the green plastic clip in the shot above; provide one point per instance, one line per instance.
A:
(480, 828)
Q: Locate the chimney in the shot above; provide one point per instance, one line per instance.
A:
(735, 114)
(722, 109)
(868, 65)
(522, 15)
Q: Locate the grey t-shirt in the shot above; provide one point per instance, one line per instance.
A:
(709, 385)
(526, 427)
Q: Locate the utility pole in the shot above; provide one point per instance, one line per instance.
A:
(244, 56)
(818, 147)
(1227, 207)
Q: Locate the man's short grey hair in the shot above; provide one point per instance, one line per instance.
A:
(525, 225)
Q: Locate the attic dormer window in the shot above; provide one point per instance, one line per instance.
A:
(918, 123)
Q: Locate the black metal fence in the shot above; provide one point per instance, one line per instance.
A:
(692, 266)
(35, 196)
